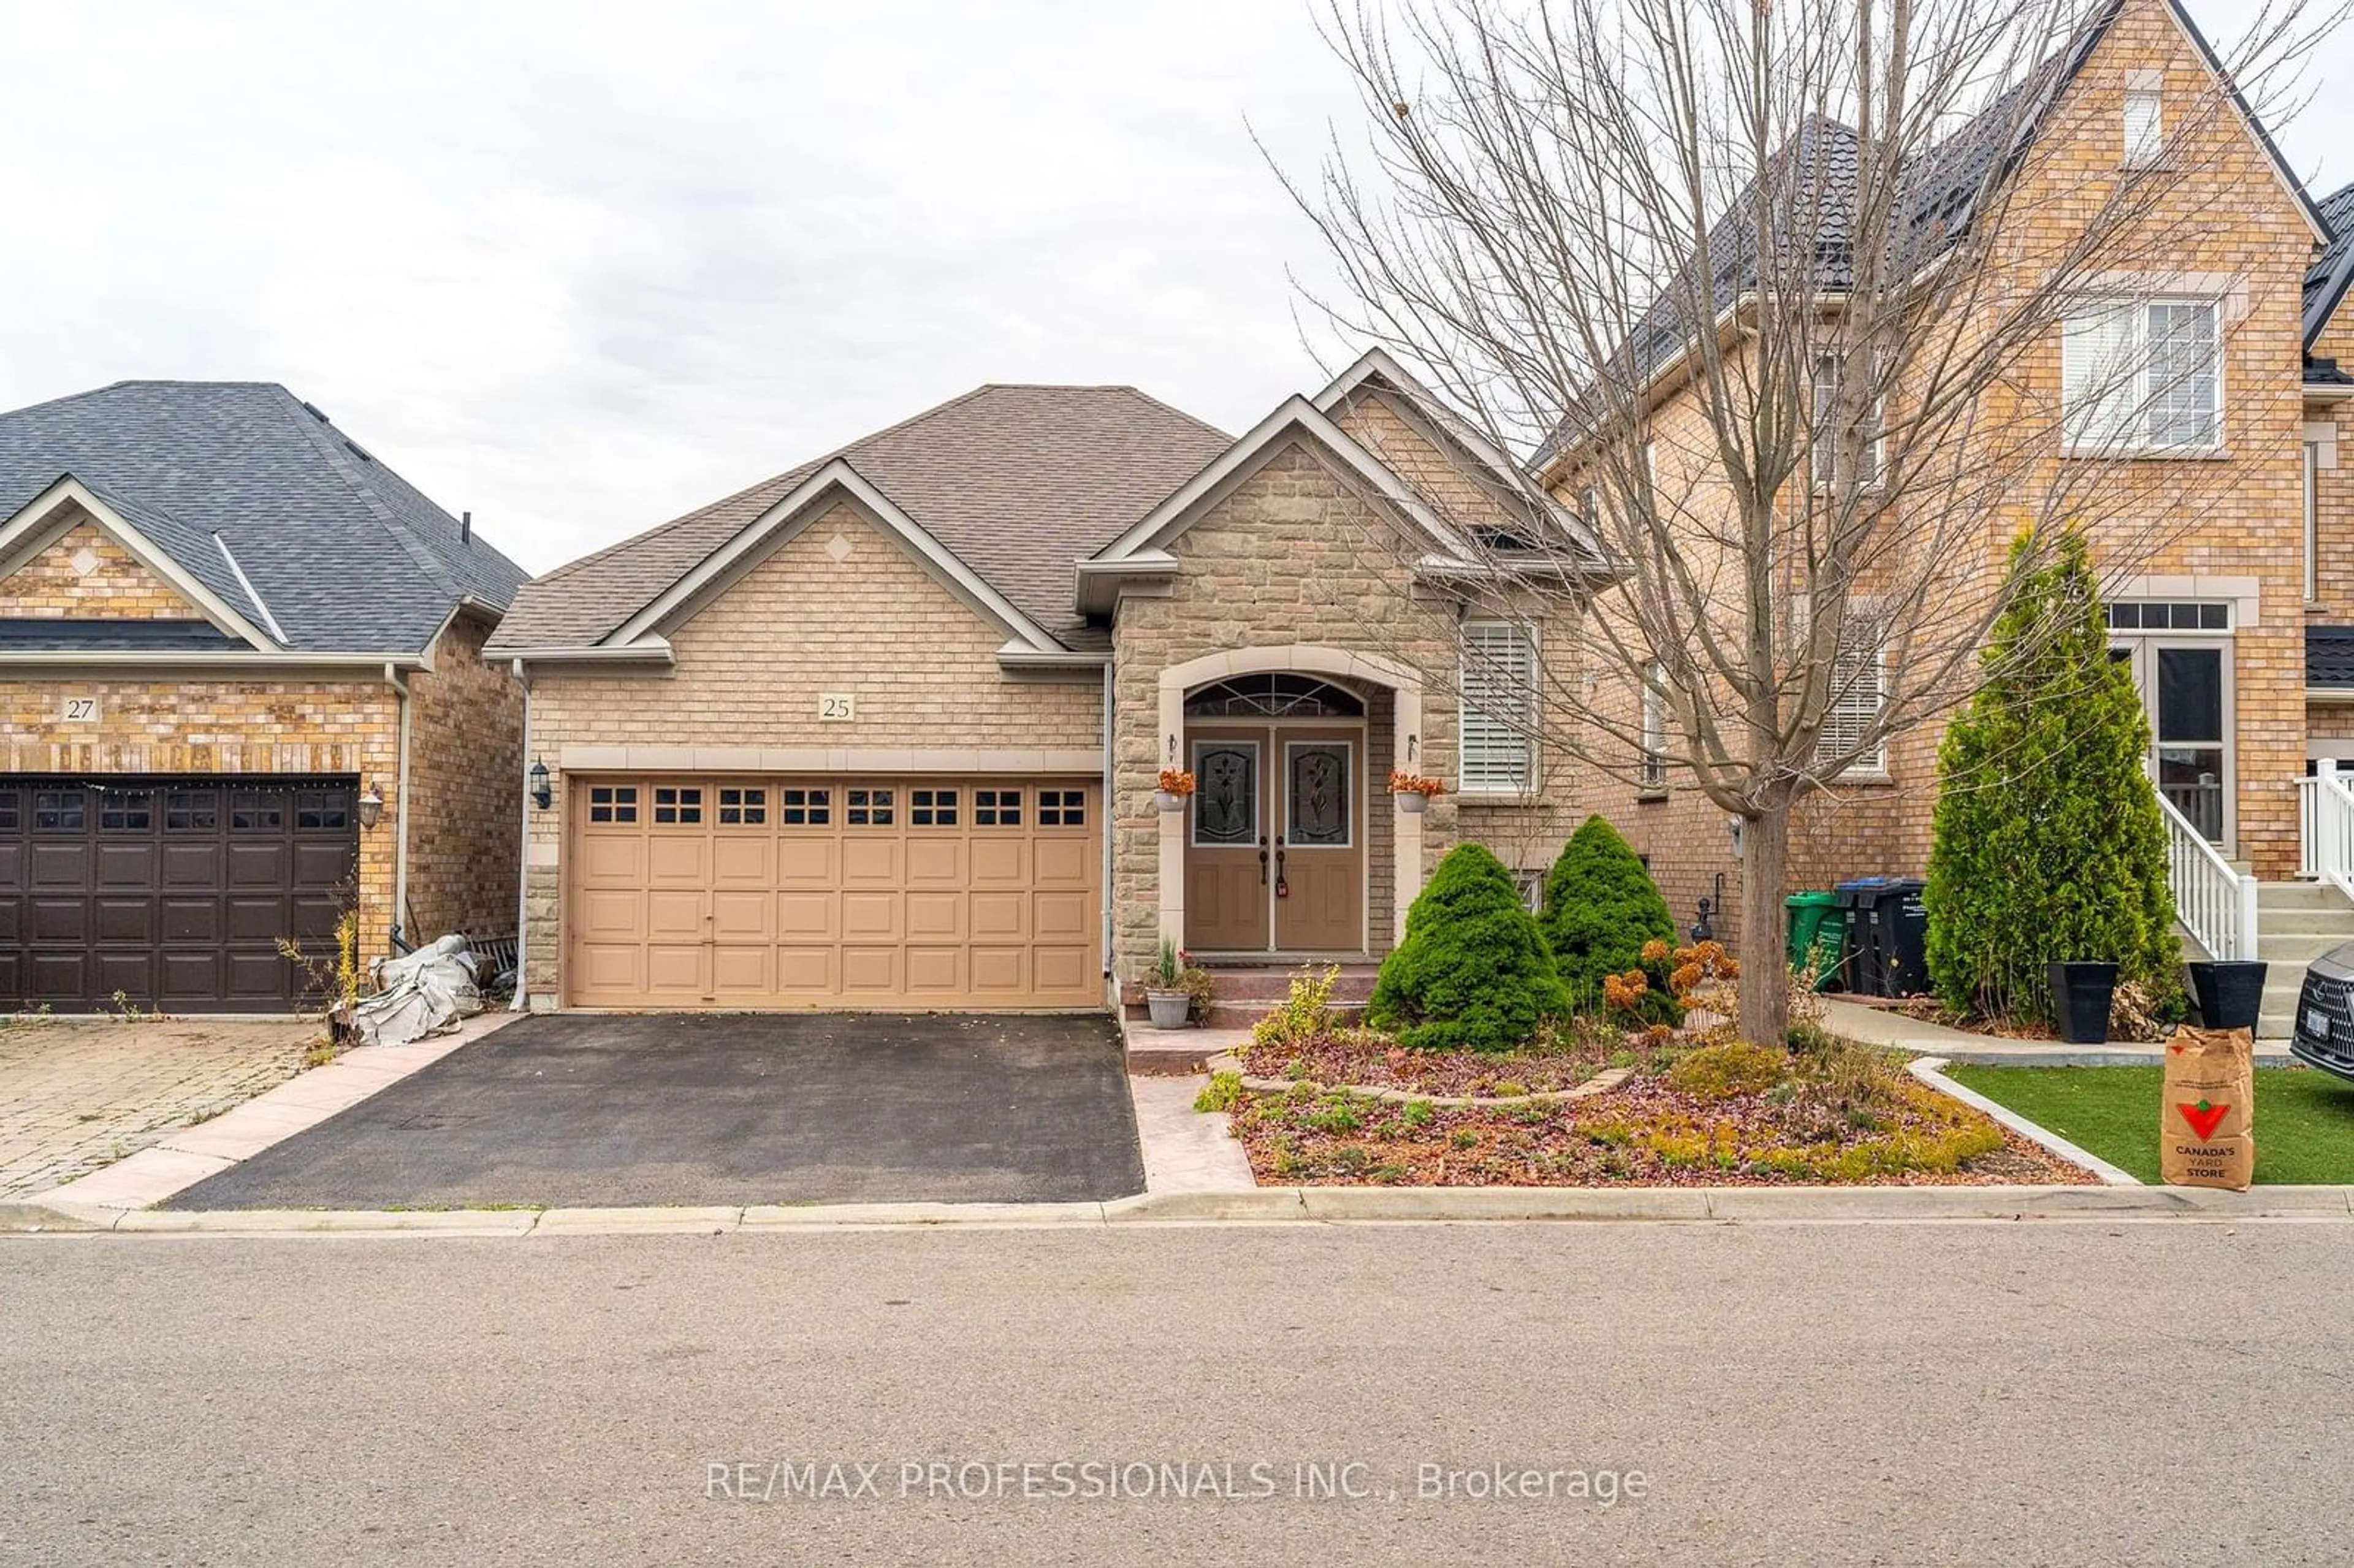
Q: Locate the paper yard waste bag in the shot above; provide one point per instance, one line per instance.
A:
(2207, 1127)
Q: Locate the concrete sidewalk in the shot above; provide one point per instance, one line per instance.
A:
(1882, 1026)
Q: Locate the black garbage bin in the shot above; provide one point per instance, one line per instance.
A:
(1859, 900)
(1901, 919)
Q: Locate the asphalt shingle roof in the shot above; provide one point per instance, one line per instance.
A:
(1818, 164)
(348, 556)
(1018, 482)
(2329, 655)
(2325, 285)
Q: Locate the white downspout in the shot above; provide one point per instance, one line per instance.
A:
(523, 856)
(400, 816)
(1111, 989)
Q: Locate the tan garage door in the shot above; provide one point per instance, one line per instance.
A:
(881, 893)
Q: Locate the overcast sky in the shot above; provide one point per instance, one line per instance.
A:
(580, 268)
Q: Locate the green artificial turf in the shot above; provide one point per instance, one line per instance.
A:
(2305, 1119)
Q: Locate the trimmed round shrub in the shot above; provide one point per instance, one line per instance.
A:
(1600, 907)
(1473, 972)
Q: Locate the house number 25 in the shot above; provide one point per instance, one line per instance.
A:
(836, 706)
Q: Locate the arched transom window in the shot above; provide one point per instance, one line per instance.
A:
(1276, 695)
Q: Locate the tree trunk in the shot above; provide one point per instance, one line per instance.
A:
(1765, 967)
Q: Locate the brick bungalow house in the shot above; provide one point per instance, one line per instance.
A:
(885, 731)
(241, 688)
(2226, 625)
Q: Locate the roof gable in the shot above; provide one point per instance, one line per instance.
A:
(786, 518)
(259, 499)
(1014, 482)
(47, 518)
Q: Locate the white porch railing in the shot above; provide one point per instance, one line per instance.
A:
(2215, 903)
(2308, 793)
(2327, 810)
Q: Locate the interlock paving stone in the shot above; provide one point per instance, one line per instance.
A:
(77, 1094)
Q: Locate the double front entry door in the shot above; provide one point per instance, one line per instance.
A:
(1275, 850)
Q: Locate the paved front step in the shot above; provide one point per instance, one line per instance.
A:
(2300, 895)
(2293, 922)
(2299, 949)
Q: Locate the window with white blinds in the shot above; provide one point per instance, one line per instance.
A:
(2143, 376)
(1499, 666)
(1653, 773)
(1858, 684)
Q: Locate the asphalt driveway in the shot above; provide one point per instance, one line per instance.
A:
(607, 1110)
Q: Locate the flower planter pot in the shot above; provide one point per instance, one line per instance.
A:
(1168, 800)
(2080, 993)
(1414, 803)
(1170, 1009)
(2230, 995)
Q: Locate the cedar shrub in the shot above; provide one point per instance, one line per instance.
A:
(1600, 908)
(2047, 843)
(1473, 972)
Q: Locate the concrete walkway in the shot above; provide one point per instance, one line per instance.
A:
(1882, 1026)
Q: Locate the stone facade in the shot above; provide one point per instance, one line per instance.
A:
(2226, 526)
(840, 606)
(1296, 557)
(86, 574)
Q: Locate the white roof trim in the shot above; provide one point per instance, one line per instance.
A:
(253, 593)
(22, 533)
(836, 475)
(645, 651)
(1231, 467)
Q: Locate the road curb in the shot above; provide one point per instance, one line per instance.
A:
(1266, 1205)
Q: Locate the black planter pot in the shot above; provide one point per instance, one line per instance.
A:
(2230, 995)
(2080, 995)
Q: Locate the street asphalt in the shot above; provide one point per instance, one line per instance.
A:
(619, 1110)
(2064, 1393)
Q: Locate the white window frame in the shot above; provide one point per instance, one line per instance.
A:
(1651, 772)
(2119, 419)
(2312, 522)
(1823, 457)
(1854, 706)
(2144, 120)
(1504, 745)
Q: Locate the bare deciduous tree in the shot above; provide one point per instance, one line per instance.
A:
(1770, 289)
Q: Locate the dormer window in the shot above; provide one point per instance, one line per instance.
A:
(2145, 127)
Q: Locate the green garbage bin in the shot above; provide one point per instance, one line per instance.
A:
(1818, 937)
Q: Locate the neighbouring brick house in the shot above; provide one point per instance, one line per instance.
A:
(2221, 620)
(241, 689)
(886, 730)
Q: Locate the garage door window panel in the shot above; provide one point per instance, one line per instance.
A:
(743, 807)
(997, 808)
(677, 807)
(60, 812)
(807, 808)
(613, 803)
(870, 809)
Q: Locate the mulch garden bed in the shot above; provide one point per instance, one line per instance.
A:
(1865, 1121)
(1375, 1063)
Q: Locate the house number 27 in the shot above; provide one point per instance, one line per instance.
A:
(79, 710)
(836, 706)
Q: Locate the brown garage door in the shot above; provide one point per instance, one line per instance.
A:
(171, 892)
(875, 893)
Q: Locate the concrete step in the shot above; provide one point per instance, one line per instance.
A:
(2297, 949)
(2300, 895)
(2275, 922)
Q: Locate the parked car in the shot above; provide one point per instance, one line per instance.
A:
(2323, 1035)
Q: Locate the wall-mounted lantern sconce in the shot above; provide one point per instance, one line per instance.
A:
(371, 808)
(541, 795)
